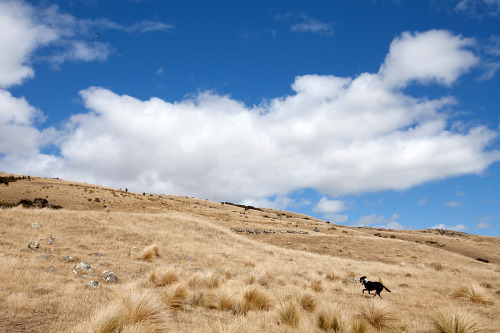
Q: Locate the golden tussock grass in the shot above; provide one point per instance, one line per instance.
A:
(458, 320)
(289, 313)
(150, 253)
(164, 276)
(330, 319)
(211, 279)
(308, 301)
(223, 299)
(378, 314)
(175, 296)
(473, 293)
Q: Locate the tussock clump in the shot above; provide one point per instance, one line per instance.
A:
(317, 286)
(107, 320)
(457, 321)
(329, 319)
(332, 276)
(358, 326)
(473, 293)
(136, 312)
(249, 262)
(150, 252)
(308, 302)
(145, 308)
(175, 296)
(164, 276)
(254, 298)
(289, 313)
(378, 315)
(222, 299)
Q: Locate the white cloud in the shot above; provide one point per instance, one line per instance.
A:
(330, 209)
(379, 221)
(335, 135)
(327, 206)
(20, 38)
(458, 227)
(431, 56)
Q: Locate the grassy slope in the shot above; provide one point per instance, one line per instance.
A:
(194, 237)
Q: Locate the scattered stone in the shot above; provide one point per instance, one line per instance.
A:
(46, 256)
(349, 280)
(497, 292)
(52, 269)
(68, 258)
(97, 254)
(83, 247)
(83, 266)
(188, 258)
(226, 254)
(93, 284)
(50, 240)
(109, 277)
(33, 245)
(35, 225)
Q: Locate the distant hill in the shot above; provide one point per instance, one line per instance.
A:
(214, 251)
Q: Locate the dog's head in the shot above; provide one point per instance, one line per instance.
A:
(362, 279)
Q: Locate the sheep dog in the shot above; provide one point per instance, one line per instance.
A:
(369, 285)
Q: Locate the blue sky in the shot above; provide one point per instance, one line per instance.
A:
(363, 113)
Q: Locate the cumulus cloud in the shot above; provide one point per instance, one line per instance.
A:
(330, 209)
(336, 135)
(431, 56)
(458, 227)
(21, 36)
(379, 221)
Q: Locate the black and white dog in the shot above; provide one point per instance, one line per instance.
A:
(369, 285)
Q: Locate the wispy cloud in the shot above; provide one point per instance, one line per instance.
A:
(423, 201)
(306, 23)
(479, 8)
(453, 204)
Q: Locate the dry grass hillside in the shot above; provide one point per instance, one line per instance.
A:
(159, 263)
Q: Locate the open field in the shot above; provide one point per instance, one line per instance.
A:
(193, 265)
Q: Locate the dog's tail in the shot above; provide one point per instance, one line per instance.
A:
(386, 288)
